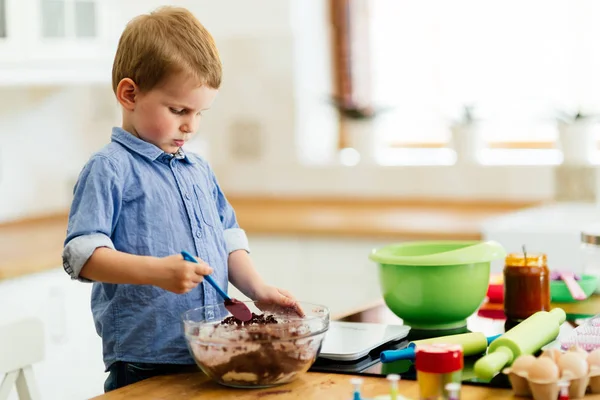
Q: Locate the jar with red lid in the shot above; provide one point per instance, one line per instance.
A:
(437, 365)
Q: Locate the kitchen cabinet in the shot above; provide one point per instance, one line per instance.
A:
(72, 367)
(58, 42)
(50, 42)
(10, 35)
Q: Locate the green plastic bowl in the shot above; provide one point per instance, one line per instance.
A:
(560, 294)
(435, 284)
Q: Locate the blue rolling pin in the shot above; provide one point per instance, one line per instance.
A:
(473, 343)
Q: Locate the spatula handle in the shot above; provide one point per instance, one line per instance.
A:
(188, 257)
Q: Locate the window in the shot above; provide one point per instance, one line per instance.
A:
(68, 18)
(517, 63)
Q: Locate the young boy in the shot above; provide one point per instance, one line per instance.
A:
(142, 199)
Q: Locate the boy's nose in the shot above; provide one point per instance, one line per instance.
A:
(190, 124)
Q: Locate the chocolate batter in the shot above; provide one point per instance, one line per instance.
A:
(259, 357)
(255, 320)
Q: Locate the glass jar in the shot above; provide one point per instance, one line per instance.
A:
(590, 253)
(526, 285)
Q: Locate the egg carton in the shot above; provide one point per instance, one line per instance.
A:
(572, 374)
(586, 336)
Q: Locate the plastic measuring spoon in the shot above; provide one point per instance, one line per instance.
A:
(237, 308)
(574, 288)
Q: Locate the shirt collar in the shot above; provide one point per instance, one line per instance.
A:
(143, 148)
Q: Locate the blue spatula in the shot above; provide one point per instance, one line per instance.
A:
(237, 308)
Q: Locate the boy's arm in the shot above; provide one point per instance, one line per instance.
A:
(112, 266)
(244, 276)
(96, 205)
(171, 273)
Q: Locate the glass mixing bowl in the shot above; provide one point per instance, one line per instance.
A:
(255, 355)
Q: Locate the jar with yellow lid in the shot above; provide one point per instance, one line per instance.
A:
(526, 285)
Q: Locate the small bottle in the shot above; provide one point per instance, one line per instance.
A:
(437, 365)
(357, 383)
(563, 394)
(393, 379)
(453, 391)
(526, 286)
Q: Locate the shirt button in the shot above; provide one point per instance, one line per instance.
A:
(187, 196)
(210, 315)
(198, 234)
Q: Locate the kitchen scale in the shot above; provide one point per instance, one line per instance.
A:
(352, 341)
(354, 348)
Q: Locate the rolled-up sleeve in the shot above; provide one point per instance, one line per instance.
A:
(93, 215)
(235, 237)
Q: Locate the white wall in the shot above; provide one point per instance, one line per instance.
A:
(46, 135)
(271, 130)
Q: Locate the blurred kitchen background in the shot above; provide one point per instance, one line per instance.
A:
(341, 125)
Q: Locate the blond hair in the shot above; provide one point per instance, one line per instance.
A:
(166, 41)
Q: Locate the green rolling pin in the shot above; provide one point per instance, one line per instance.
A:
(526, 338)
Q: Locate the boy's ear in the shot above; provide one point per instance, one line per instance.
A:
(126, 93)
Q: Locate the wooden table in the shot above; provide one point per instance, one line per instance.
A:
(333, 386)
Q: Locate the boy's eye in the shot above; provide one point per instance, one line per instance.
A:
(177, 111)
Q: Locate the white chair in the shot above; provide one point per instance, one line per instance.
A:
(21, 345)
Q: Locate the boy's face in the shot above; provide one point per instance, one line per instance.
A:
(169, 114)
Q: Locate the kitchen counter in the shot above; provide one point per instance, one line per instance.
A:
(32, 245)
(35, 245)
(393, 219)
(325, 385)
(554, 229)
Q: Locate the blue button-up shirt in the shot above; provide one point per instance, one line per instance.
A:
(133, 197)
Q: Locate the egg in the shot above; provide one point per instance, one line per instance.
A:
(573, 364)
(522, 364)
(593, 358)
(554, 354)
(579, 351)
(543, 369)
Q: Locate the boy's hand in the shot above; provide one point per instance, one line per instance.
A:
(180, 276)
(270, 295)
